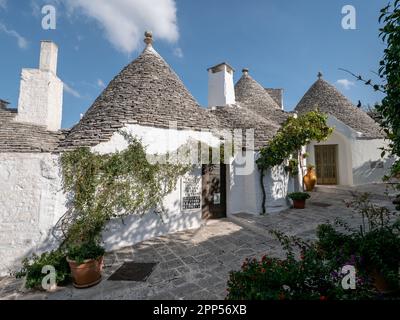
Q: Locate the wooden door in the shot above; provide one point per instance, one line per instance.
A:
(214, 191)
(326, 164)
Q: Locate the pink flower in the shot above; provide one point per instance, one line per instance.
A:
(264, 258)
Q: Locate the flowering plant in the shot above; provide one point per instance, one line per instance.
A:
(374, 247)
(310, 277)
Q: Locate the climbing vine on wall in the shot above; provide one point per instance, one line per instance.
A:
(293, 135)
(106, 186)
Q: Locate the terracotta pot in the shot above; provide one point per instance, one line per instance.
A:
(87, 274)
(299, 204)
(381, 284)
(310, 180)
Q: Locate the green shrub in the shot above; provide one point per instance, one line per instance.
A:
(310, 166)
(86, 251)
(299, 196)
(32, 269)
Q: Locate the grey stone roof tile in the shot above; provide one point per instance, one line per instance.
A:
(238, 117)
(16, 137)
(277, 95)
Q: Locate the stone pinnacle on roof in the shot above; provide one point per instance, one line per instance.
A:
(3, 103)
(148, 40)
(245, 71)
(320, 75)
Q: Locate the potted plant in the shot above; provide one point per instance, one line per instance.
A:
(299, 199)
(83, 249)
(86, 263)
(310, 179)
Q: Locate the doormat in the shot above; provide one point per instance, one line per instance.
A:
(133, 271)
(321, 204)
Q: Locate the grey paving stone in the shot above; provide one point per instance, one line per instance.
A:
(165, 295)
(186, 291)
(189, 260)
(183, 269)
(178, 282)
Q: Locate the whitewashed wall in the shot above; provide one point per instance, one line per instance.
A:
(245, 194)
(156, 140)
(368, 166)
(31, 202)
(133, 229)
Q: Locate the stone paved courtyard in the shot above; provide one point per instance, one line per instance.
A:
(195, 264)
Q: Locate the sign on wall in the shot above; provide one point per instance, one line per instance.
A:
(191, 193)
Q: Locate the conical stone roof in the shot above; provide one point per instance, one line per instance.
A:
(329, 100)
(250, 94)
(146, 92)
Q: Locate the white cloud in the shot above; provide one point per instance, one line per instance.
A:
(3, 4)
(71, 91)
(100, 83)
(21, 41)
(178, 52)
(124, 21)
(345, 83)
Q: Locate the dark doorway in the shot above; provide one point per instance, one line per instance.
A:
(214, 191)
(326, 163)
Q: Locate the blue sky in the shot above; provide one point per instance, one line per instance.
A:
(283, 43)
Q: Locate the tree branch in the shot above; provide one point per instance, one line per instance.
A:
(376, 87)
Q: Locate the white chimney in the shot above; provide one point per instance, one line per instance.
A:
(48, 56)
(41, 91)
(221, 91)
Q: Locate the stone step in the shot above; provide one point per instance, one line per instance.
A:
(249, 224)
